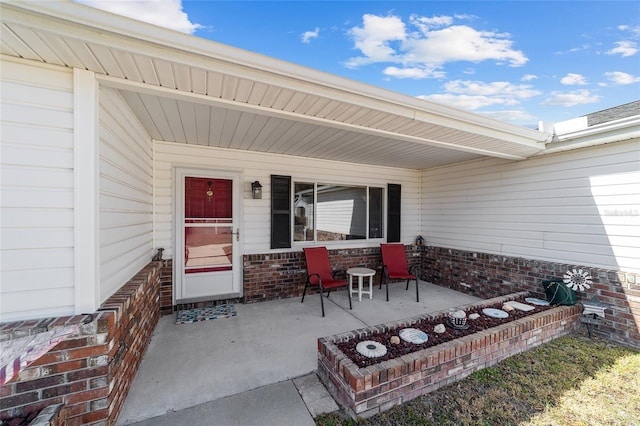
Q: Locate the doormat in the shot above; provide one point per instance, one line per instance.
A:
(204, 314)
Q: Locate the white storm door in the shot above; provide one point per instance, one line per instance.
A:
(207, 236)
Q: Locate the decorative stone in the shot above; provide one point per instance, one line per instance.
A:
(458, 314)
(371, 349)
(394, 340)
(474, 316)
(520, 306)
(413, 335)
(439, 328)
(508, 308)
(495, 313)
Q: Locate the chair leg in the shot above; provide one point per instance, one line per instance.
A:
(386, 283)
(349, 293)
(304, 292)
(321, 301)
(407, 288)
(417, 295)
(328, 293)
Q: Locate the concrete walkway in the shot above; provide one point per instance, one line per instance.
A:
(258, 367)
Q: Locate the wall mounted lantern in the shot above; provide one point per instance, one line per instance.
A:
(209, 191)
(256, 189)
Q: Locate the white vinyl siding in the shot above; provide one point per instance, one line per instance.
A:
(255, 228)
(580, 207)
(343, 212)
(126, 194)
(36, 187)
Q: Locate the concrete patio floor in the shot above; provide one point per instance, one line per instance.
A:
(220, 371)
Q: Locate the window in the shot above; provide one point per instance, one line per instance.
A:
(323, 212)
(326, 212)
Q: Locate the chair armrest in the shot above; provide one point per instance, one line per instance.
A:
(318, 278)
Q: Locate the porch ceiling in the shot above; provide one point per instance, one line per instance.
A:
(189, 90)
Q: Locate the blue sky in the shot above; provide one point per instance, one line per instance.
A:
(517, 61)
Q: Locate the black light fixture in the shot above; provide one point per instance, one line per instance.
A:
(256, 189)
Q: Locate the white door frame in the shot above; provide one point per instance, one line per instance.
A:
(179, 174)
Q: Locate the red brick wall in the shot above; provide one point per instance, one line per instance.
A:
(364, 392)
(281, 275)
(137, 307)
(488, 275)
(91, 372)
(166, 287)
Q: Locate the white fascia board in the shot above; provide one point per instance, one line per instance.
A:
(613, 131)
(147, 39)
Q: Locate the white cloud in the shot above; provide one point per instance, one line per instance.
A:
(568, 99)
(374, 37)
(529, 77)
(584, 47)
(634, 30)
(164, 13)
(497, 88)
(473, 95)
(510, 115)
(462, 43)
(415, 72)
(622, 78)
(436, 42)
(572, 79)
(308, 35)
(425, 24)
(624, 48)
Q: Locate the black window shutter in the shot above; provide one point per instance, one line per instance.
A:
(393, 213)
(280, 211)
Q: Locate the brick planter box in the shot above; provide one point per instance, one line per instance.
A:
(86, 376)
(363, 392)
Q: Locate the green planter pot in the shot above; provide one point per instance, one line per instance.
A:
(558, 293)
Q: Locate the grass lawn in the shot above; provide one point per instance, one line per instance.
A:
(573, 380)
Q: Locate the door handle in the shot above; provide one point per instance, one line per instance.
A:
(237, 234)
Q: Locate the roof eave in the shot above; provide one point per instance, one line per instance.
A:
(613, 131)
(299, 77)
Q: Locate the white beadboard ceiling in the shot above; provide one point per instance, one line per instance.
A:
(189, 90)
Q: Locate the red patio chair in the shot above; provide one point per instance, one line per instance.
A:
(394, 266)
(319, 273)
